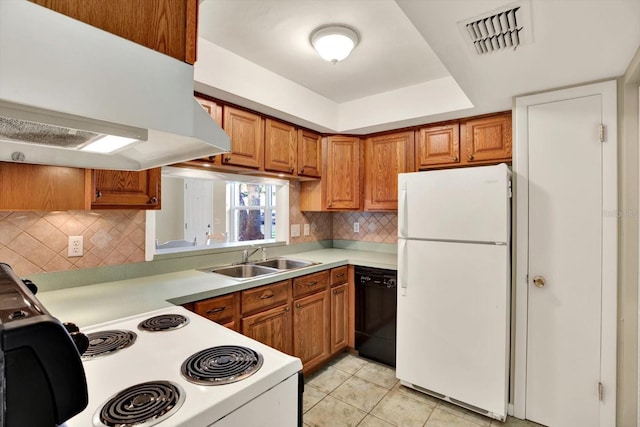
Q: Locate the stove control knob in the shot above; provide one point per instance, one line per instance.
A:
(79, 339)
(32, 286)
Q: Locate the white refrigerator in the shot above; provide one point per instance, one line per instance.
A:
(454, 285)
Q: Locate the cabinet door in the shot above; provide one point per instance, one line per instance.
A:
(343, 172)
(488, 139)
(167, 26)
(339, 317)
(271, 327)
(311, 331)
(280, 146)
(43, 188)
(385, 157)
(309, 154)
(247, 138)
(126, 189)
(213, 108)
(437, 146)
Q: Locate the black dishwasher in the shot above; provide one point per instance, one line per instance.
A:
(375, 314)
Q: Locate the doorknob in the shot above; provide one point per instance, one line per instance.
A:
(539, 281)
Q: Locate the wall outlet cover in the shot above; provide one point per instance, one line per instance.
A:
(76, 246)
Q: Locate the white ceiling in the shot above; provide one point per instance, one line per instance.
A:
(412, 64)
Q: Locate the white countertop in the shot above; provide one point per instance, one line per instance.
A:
(91, 304)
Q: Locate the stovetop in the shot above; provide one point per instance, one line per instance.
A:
(157, 356)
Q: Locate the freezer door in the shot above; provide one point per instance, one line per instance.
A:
(453, 321)
(468, 204)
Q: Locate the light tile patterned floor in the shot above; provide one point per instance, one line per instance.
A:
(352, 391)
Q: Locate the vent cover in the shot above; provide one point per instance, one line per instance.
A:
(501, 29)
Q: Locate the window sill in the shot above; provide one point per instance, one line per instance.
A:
(214, 248)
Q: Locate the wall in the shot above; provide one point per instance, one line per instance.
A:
(36, 242)
(171, 213)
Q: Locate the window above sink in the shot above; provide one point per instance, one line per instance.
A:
(205, 210)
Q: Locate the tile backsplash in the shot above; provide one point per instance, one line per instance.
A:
(36, 242)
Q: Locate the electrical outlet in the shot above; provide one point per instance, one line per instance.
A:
(295, 230)
(356, 227)
(75, 246)
(306, 229)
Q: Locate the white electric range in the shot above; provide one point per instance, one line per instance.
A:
(222, 390)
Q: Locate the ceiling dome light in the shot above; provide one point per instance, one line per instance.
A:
(334, 43)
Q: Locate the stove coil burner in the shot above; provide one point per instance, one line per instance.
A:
(102, 343)
(145, 404)
(221, 365)
(163, 322)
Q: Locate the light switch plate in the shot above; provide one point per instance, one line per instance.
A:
(306, 229)
(295, 230)
(356, 227)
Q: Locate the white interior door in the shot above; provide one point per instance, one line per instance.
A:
(198, 205)
(565, 257)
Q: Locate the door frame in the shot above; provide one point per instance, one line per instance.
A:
(608, 91)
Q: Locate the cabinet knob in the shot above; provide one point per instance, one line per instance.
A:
(287, 308)
(302, 170)
(298, 305)
(212, 158)
(455, 158)
(153, 200)
(335, 292)
(291, 170)
(470, 157)
(227, 159)
(98, 194)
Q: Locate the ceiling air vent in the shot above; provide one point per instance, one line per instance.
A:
(500, 29)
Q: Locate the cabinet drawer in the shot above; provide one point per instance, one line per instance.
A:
(264, 297)
(339, 275)
(310, 283)
(219, 309)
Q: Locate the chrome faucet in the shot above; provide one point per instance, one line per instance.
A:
(246, 254)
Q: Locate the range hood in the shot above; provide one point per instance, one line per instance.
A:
(64, 83)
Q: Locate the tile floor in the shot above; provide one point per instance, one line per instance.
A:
(352, 391)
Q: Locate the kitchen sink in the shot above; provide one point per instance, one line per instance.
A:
(284, 263)
(243, 271)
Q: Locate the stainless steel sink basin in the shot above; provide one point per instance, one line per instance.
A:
(243, 271)
(284, 263)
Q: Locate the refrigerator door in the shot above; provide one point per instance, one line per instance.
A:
(453, 322)
(468, 204)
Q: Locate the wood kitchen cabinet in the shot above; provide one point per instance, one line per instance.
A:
(224, 310)
(309, 154)
(114, 189)
(437, 146)
(166, 26)
(487, 140)
(246, 131)
(339, 320)
(311, 331)
(385, 157)
(271, 327)
(340, 186)
(213, 108)
(43, 188)
(280, 147)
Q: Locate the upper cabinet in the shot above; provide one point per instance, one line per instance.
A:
(247, 138)
(27, 187)
(213, 108)
(309, 154)
(340, 186)
(125, 189)
(466, 142)
(487, 139)
(167, 26)
(280, 146)
(385, 157)
(438, 146)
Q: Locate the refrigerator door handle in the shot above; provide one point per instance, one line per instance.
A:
(403, 212)
(402, 266)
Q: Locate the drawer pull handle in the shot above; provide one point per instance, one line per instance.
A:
(315, 282)
(267, 296)
(216, 310)
(340, 275)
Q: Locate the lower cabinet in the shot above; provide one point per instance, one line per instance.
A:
(271, 327)
(307, 317)
(311, 329)
(339, 318)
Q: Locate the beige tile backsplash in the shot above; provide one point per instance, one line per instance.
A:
(36, 242)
